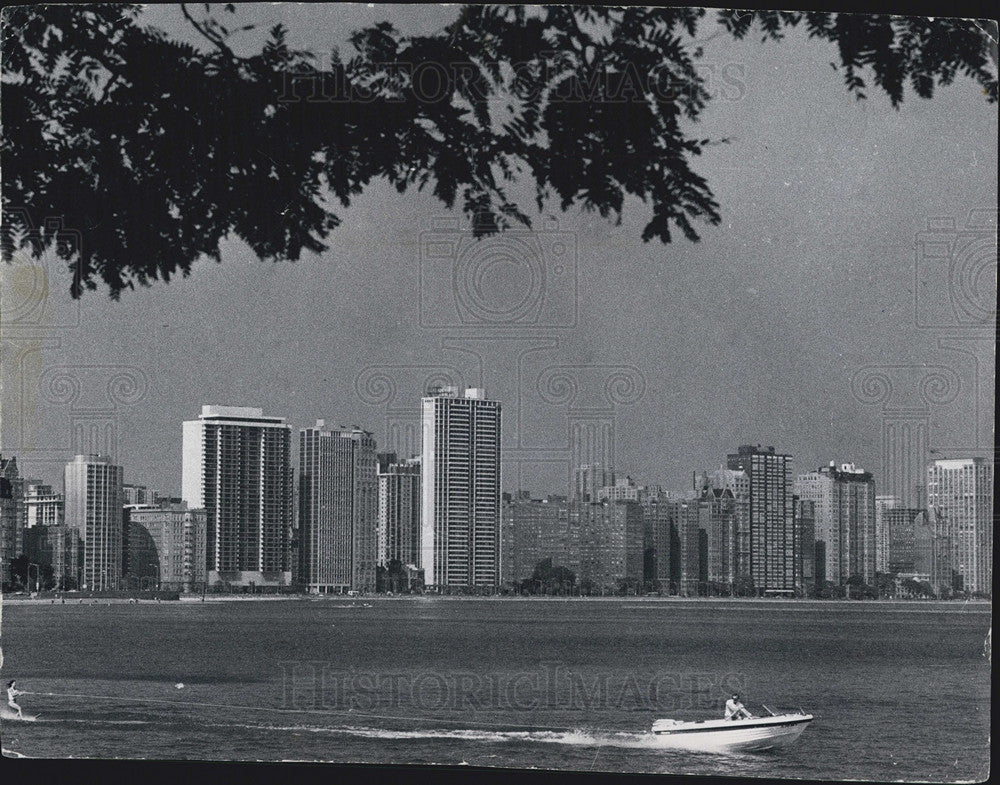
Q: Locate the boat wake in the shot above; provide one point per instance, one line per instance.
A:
(581, 737)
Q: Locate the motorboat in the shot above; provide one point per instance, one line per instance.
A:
(743, 735)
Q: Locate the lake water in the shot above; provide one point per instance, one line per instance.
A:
(900, 691)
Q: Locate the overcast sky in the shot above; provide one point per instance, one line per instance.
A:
(751, 335)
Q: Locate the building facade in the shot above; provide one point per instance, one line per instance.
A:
(771, 529)
(93, 508)
(537, 529)
(57, 546)
(43, 506)
(883, 502)
(168, 544)
(338, 509)
(237, 467)
(611, 545)
(460, 494)
(960, 492)
(805, 544)
(13, 517)
(137, 494)
(845, 510)
(398, 510)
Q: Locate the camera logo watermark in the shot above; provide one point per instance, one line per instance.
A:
(514, 279)
(955, 272)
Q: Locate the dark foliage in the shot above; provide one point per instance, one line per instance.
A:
(152, 151)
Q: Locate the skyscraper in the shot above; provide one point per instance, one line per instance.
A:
(805, 543)
(844, 499)
(883, 503)
(771, 520)
(960, 492)
(93, 508)
(398, 510)
(460, 526)
(13, 519)
(338, 509)
(237, 467)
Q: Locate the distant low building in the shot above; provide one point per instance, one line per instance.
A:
(166, 545)
(600, 543)
(588, 481)
(44, 506)
(59, 547)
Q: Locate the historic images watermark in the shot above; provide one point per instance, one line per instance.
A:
(551, 77)
(551, 686)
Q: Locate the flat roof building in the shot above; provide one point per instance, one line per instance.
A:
(237, 467)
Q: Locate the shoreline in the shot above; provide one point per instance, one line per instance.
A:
(368, 601)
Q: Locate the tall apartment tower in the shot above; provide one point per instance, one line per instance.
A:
(93, 508)
(883, 503)
(960, 492)
(398, 510)
(772, 519)
(237, 466)
(460, 498)
(338, 509)
(13, 518)
(844, 499)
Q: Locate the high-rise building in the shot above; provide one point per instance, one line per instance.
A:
(611, 544)
(537, 529)
(899, 523)
(237, 467)
(772, 517)
(588, 480)
(805, 543)
(93, 507)
(960, 492)
(932, 553)
(398, 510)
(43, 506)
(460, 494)
(844, 499)
(661, 541)
(883, 502)
(338, 509)
(13, 519)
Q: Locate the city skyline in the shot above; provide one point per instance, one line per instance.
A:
(569, 487)
(775, 328)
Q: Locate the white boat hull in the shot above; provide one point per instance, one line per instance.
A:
(758, 733)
